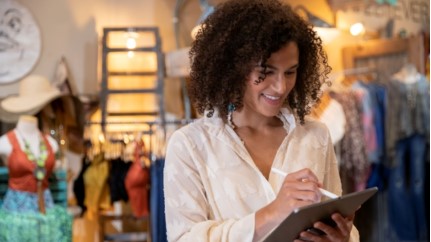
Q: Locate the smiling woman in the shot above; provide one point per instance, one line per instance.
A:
(256, 69)
(20, 41)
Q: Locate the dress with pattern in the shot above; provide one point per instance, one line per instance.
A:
(20, 219)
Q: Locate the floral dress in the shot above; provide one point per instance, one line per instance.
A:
(20, 216)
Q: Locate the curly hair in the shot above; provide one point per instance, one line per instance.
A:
(241, 33)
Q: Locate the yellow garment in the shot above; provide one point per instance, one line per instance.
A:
(96, 186)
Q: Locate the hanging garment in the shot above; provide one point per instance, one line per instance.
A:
(96, 186)
(354, 167)
(406, 207)
(407, 130)
(379, 172)
(20, 219)
(157, 202)
(116, 180)
(408, 112)
(137, 184)
(79, 187)
(367, 118)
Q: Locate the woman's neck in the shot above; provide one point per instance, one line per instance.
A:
(27, 125)
(251, 120)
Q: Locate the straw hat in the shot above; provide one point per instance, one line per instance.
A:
(7, 117)
(34, 93)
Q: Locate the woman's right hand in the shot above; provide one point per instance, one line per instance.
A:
(299, 189)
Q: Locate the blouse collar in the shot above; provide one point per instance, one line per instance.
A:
(286, 116)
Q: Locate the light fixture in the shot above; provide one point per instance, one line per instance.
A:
(326, 31)
(357, 29)
(131, 42)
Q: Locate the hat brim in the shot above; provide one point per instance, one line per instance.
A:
(29, 104)
(7, 117)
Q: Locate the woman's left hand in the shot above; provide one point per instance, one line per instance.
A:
(339, 233)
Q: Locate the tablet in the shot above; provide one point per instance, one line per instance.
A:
(303, 218)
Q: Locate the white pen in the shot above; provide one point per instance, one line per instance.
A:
(323, 191)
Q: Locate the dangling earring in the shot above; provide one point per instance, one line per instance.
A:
(230, 108)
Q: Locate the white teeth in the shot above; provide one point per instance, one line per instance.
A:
(271, 97)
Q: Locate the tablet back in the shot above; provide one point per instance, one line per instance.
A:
(303, 218)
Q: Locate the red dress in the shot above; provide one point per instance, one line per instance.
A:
(137, 184)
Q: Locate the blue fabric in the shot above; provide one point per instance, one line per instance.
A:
(19, 201)
(21, 221)
(406, 188)
(157, 202)
(368, 125)
(54, 226)
(391, 2)
(379, 172)
(378, 99)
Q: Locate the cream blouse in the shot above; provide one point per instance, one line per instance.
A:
(213, 188)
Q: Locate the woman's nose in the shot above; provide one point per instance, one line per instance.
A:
(280, 84)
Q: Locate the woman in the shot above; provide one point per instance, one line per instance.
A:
(257, 68)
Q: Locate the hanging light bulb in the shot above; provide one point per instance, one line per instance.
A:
(131, 42)
(357, 29)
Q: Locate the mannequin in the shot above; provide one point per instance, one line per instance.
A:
(26, 128)
(407, 74)
(30, 159)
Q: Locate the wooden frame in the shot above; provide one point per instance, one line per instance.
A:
(413, 47)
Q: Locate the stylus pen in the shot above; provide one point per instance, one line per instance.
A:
(323, 191)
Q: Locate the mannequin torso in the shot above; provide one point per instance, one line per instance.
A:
(26, 129)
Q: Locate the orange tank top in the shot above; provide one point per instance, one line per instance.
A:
(21, 169)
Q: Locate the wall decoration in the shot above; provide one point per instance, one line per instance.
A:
(20, 41)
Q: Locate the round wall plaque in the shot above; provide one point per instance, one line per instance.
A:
(20, 41)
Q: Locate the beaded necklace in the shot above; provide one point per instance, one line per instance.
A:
(40, 170)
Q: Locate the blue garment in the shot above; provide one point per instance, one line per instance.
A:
(19, 201)
(379, 172)
(406, 188)
(378, 100)
(21, 221)
(407, 113)
(367, 115)
(157, 202)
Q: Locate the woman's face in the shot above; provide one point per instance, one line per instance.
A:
(266, 97)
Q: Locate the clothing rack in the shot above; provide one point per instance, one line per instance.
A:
(356, 71)
(386, 57)
(149, 123)
(149, 131)
(352, 72)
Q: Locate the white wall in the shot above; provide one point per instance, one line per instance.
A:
(73, 28)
